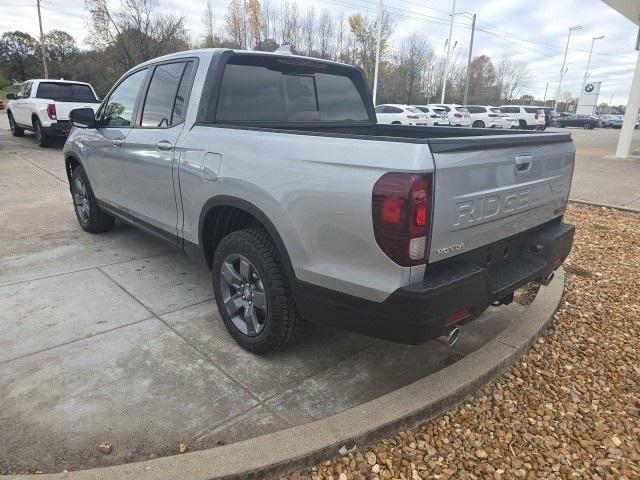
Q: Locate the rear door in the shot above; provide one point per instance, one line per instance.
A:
(149, 149)
(489, 188)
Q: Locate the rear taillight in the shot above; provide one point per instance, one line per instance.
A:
(413, 117)
(536, 117)
(457, 115)
(434, 115)
(401, 212)
(51, 111)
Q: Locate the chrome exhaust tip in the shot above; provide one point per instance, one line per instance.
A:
(548, 279)
(452, 336)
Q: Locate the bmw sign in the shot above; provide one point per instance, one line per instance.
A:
(589, 87)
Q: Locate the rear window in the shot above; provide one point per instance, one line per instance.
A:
(423, 109)
(495, 110)
(267, 89)
(462, 109)
(413, 110)
(66, 92)
(533, 110)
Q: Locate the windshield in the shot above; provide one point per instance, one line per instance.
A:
(66, 92)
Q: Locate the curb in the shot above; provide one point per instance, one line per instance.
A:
(606, 205)
(305, 445)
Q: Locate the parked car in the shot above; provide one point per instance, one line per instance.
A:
(507, 121)
(435, 116)
(484, 117)
(457, 114)
(529, 118)
(611, 121)
(585, 121)
(395, 114)
(275, 173)
(43, 107)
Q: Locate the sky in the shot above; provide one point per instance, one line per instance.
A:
(535, 31)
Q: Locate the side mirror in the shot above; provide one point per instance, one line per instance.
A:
(11, 96)
(83, 118)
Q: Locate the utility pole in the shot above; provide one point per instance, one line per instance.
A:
(446, 64)
(44, 53)
(377, 66)
(466, 85)
(564, 61)
(586, 73)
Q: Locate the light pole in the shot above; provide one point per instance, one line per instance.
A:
(446, 63)
(586, 73)
(564, 61)
(466, 83)
(376, 68)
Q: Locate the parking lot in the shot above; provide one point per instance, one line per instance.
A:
(116, 338)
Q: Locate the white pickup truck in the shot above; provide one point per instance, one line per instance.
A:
(43, 106)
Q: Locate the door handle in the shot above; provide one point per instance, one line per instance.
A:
(164, 145)
(118, 142)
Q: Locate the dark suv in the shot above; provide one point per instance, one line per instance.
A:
(585, 121)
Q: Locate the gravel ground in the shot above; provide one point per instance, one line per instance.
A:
(569, 409)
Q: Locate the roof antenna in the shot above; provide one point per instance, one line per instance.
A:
(284, 50)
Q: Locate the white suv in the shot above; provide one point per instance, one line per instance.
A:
(43, 107)
(529, 118)
(400, 115)
(484, 117)
(435, 116)
(458, 115)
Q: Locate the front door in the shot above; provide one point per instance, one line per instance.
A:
(107, 154)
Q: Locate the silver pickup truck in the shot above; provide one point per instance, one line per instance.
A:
(272, 170)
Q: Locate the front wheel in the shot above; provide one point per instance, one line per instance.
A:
(90, 217)
(252, 292)
(478, 124)
(16, 131)
(587, 126)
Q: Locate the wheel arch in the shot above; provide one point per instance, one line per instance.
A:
(224, 214)
(70, 162)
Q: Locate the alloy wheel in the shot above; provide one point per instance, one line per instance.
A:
(81, 200)
(243, 294)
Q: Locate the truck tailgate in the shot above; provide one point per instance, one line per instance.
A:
(64, 108)
(489, 188)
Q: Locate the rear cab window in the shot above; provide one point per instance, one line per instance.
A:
(274, 89)
(66, 92)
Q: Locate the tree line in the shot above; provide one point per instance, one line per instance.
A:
(125, 33)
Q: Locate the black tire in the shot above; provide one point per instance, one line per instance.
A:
(16, 131)
(478, 124)
(90, 217)
(396, 123)
(281, 324)
(523, 125)
(42, 139)
(587, 126)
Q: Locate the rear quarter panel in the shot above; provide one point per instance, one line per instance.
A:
(315, 189)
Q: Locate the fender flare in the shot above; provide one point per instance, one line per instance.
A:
(241, 204)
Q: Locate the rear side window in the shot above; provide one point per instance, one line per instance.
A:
(496, 110)
(66, 92)
(532, 110)
(161, 95)
(277, 90)
(476, 109)
(392, 110)
(423, 109)
(412, 110)
(510, 109)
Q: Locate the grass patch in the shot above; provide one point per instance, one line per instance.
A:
(599, 228)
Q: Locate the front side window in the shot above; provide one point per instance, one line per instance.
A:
(380, 109)
(161, 96)
(118, 111)
(278, 90)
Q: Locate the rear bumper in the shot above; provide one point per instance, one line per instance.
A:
(60, 128)
(418, 312)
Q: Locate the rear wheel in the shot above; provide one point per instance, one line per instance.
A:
(16, 131)
(396, 123)
(587, 126)
(478, 124)
(522, 124)
(90, 217)
(252, 292)
(42, 139)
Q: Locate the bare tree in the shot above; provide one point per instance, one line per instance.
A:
(415, 53)
(254, 21)
(308, 30)
(325, 34)
(136, 31)
(512, 76)
(290, 24)
(237, 27)
(208, 22)
(269, 20)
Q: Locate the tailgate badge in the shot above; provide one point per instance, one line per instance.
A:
(523, 162)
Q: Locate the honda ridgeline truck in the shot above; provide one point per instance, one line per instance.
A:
(273, 170)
